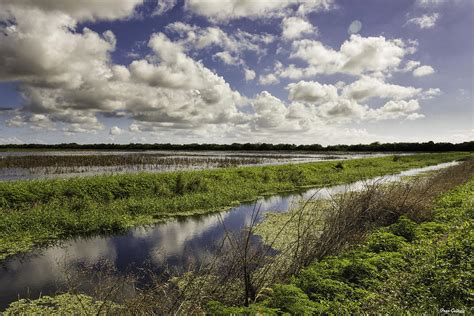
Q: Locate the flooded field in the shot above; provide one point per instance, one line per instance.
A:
(174, 244)
(17, 165)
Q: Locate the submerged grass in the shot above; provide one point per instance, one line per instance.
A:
(39, 211)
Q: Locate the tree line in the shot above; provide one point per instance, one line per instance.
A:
(373, 147)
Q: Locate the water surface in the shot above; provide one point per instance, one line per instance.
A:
(27, 165)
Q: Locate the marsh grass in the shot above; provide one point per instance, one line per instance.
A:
(41, 211)
(38, 166)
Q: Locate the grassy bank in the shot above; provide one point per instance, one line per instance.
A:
(405, 268)
(35, 212)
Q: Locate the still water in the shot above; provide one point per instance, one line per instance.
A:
(27, 165)
(174, 244)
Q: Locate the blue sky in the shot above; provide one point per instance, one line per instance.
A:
(236, 71)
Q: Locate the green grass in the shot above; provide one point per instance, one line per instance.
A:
(405, 268)
(64, 304)
(40, 211)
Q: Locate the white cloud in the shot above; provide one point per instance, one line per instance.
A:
(221, 10)
(163, 6)
(401, 106)
(431, 93)
(76, 81)
(249, 74)
(16, 121)
(376, 56)
(115, 130)
(270, 111)
(410, 65)
(69, 80)
(414, 116)
(312, 91)
(423, 71)
(134, 128)
(26, 52)
(425, 21)
(367, 87)
(295, 27)
(314, 104)
(11, 140)
(268, 79)
(429, 3)
(228, 59)
(78, 10)
(193, 37)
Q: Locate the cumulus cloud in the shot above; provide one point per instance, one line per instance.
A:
(423, 71)
(227, 58)
(196, 37)
(59, 67)
(26, 48)
(410, 65)
(268, 79)
(375, 56)
(401, 106)
(193, 38)
(368, 87)
(163, 6)
(431, 93)
(115, 130)
(414, 116)
(76, 81)
(425, 21)
(429, 3)
(77, 10)
(69, 81)
(11, 140)
(16, 121)
(311, 91)
(249, 74)
(314, 104)
(348, 105)
(296, 27)
(221, 10)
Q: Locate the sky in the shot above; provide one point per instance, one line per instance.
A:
(224, 71)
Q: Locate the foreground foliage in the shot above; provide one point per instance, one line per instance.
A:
(35, 212)
(407, 267)
(64, 304)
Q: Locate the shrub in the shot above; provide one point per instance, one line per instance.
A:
(404, 227)
(359, 272)
(385, 241)
(217, 308)
(64, 304)
(291, 299)
(325, 289)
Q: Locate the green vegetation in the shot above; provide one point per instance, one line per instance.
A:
(64, 304)
(39, 211)
(75, 162)
(405, 268)
(399, 248)
(379, 147)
